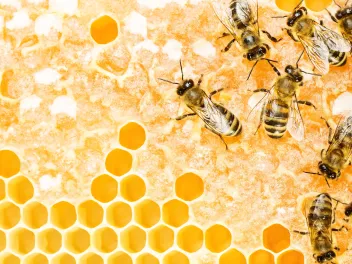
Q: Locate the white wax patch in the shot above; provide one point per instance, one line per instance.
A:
(14, 3)
(65, 105)
(204, 48)
(46, 76)
(342, 104)
(29, 103)
(46, 23)
(136, 24)
(20, 20)
(36, 1)
(173, 49)
(147, 45)
(47, 182)
(152, 4)
(254, 99)
(68, 7)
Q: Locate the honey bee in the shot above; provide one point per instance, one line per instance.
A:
(217, 118)
(239, 19)
(322, 45)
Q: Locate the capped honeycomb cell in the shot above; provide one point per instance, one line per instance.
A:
(175, 257)
(9, 215)
(91, 258)
(36, 258)
(261, 256)
(132, 188)
(119, 214)
(2, 189)
(290, 257)
(276, 238)
(132, 136)
(217, 238)
(119, 258)
(104, 188)
(161, 238)
(63, 258)
(190, 238)
(49, 240)
(317, 6)
(2, 240)
(8, 258)
(287, 5)
(77, 240)
(90, 213)
(20, 189)
(133, 239)
(104, 29)
(189, 186)
(175, 213)
(147, 213)
(232, 256)
(147, 258)
(22, 240)
(9, 163)
(118, 162)
(105, 239)
(63, 214)
(35, 215)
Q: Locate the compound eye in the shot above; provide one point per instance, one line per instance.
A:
(322, 168)
(189, 84)
(348, 211)
(298, 78)
(298, 13)
(338, 15)
(289, 69)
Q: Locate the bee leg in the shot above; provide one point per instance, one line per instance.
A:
(228, 45)
(289, 32)
(184, 116)
(273, 39)
(227, 148)
(346, 220)
(339, 229)
(261, 90)
(225, 34)
(200, 80)
(331, 16)
(306, 103)
(215, 92)
(330, 130)
(301, 232)
(337, 248)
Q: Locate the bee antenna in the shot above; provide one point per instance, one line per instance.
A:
(279, 16)
(299, 58)
(338, 4)
(327, 182)
(258, 18)
(317, 173)
(161, 79)
(249, 75)
(181, 69)
(299, 4)
(310, 73)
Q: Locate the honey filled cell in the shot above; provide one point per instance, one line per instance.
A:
(119, 258)
(35, 215)
(91, 258)
(161, 238)
(276, 238)
(77, 240)
(104, 29)
(147, 258)
(21, 240)
(9, 163)
(36, 258)
(63, 258)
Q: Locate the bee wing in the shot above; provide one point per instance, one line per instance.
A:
(244, 10)
(224, 14)
(295, 123)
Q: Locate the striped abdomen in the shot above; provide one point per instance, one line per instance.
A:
(275, 118)
(337, 58)
(234, 126)
(239, 24)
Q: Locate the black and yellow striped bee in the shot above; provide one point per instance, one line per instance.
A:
(217, 118)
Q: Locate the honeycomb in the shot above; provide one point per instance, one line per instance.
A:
(93, 168)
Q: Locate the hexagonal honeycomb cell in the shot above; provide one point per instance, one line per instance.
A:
(35, 258)
(49, 240)
(105, 239)
(35, 215)
(175, 257)
(2, 240)
(119, 214)
(147, 213)
(20, 189)
(118, 162)
(290, 257)
(217, 238)
(8, 258)
(133, 239)
(287, 5)
(190, 238)
(9, 215)
(132, 136)
(161, 238)
(90, 213)
(104, 188)
(63, 214)
(276, 238)
(9, 163)
(63, 258)
(175, 213)
(261, 256)
(119, 258)
(232, 256)
(77, 240)
(91, 258)
(2, 189)
(317, 6)
(132, 188)
(104, 29)
(21, 240)
(189, 186)
(147, 258)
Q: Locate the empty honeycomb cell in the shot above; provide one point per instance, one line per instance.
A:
(104, 188)
(147, 213)
(287, 5)
(8, 258)
(317, 6)
(49, 240)
(77, 240)
(9, 215)
(133, 239)
(91, 258)
(9, 163)
(119, 258)
(132, 188)
(35, 215)
(118, 162)
(161, 238)
(36, 258)
(276, 238)
(2, 189)
(104, 29)
(132, 136)
(189, 186)
(190, 238)
(232, 256)
(119, 214)
(261, 256)
(63, 258)
(291, 257)
(63, 214)
(2, 240)
(147, 258)
(22, 240)
(105, 239)
(20, 189)
(175, 213)
(175, 257)
(90, 213)
(217, 238)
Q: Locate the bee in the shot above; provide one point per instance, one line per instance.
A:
(279, 107)
(322, 45)
(239, 19)
(217, 118)
(339, 153)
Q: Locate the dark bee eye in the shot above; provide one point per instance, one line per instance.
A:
(289, 69)
(348, 211)
(323, 168)
(189, 84)
(339, 14)
(298, 78)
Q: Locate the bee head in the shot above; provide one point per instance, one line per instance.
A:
(327, 256)
(348, 210)
(328, 172)
(297, 13)
(294, 73)
(184, 86)
(343, 13)
(256, 53)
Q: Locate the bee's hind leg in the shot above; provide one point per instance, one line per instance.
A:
(330, 130)
(215, 92)
(273, 39)
(339, 229)
(200, 80)
(227, 148)
(306, 103)
(184, 116)
(301, 232)
(228, 45)
(225, 34)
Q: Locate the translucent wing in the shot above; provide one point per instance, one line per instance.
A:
(224, 13)
(295, 123)
(244, 10)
